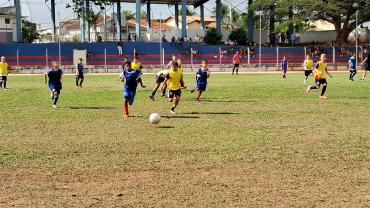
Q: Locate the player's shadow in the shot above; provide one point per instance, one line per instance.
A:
(169, 117)
(214, 113)
(165, 127)
(221, 101)
(93, 108)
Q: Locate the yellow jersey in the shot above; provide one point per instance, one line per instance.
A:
(308, 64)
(136, 65)
(3, 68)
(320, 66)
(180, 69)
(175, 78)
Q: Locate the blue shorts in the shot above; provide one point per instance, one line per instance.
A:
(55, 89)
(129, 94)
(160, 79)
(320, 82)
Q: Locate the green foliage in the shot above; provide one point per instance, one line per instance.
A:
(224, 11)
(29, 31)
(77, 5)
(129, 14)
(212, 37)
(188, 12)
(240, 35)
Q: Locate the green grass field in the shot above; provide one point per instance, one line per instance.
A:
(255, 140)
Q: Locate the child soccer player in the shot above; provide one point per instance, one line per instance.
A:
(352, 67)
(3, 73)
(79, 73)
(136, 64)
(133, 76)
(201, 79)
(365, 63)
(158, 80)
(307, 68)
(284, 66)
(55, 81)
(320, 68)
(236, 62)
(175, 78)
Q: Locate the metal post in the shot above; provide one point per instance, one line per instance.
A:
(105, 60)
(60, 58)
(277, 58)
(249, 56)
(138, 25)
(18, 17)
(356, 40)
(160, 38)
(17, 57)
(163, 56)
(47, 58)
(260, 38)
(191, 58)
(333, 54)
(305, 52)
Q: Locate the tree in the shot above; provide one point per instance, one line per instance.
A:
(129, 14)
(77, 5)
(341, 14)
(91, 17)
(29, 31)
(212, 37)
(142, 15)
(224, 11)
(188, 12)
(240, 35)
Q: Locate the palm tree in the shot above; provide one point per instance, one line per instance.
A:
(143, 15)
(91, 18)
(188, 12)
(235, 18)
(224, 11)
(129, 14)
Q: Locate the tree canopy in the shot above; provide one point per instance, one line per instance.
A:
(342, 14)
(77, 4)
(188, 12)
(29, 31)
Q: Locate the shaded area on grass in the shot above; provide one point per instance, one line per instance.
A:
(93, 107)
(214, 113)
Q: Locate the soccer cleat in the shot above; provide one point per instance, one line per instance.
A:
(80, 85)
(237, 73)
(308, 89)
(5, 89)
(126, 115)
(77, 87)
(305, 82)
(151, 97)
(322, 97)
(192, 91)
(197, 100)
(164, 96)
(172, 112)
(362, 79)
(55, 106)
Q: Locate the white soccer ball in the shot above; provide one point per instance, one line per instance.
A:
(155, 118)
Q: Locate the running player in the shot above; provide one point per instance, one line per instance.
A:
(366, 64)
(320, 68)
(236, 62)
(79, 73)
(158, 80)
(307, 68)
(352, 67)
(284, 66)
(175, 78)
(3, 73)
(201, 79)
(133, 76)
(55, 81)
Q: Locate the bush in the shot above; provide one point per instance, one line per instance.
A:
(239, 35)
(212, 37)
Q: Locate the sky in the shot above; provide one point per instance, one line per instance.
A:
(38, 11)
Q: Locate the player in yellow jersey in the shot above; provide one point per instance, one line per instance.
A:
(136, 64)
(320, 69)
(175, 78)
(3, 73)
(308, 63)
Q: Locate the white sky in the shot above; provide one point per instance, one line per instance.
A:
(39, 13)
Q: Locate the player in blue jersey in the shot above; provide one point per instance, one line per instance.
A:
(133, 77)
(284, 66)
(79, 73)
(55, 81)
(352, 67)
(201, 79)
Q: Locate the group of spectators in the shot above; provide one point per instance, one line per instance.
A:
(315, 49)
(179, 43)
(282, 38)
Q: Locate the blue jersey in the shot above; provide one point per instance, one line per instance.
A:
(284, 65)
(80, 69)
(54, 78)
(202, 80)
(352, 61)
(132, 78)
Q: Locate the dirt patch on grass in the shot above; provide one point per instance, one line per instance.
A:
(313, 138)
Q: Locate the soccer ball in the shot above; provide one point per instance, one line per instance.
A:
(154, 118)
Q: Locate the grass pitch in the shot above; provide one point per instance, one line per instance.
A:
(254, 140)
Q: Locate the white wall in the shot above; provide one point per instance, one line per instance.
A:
(321, 36)
(256, 36)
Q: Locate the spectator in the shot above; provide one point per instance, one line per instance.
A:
(288, 36)
(293, 37)
(136, 52)
(339, 43)
(197, 40)
(277, 37)
(183, 52)
(173, 40)
(282, 36)
(235, 44)
(265, 44)
(223, 52)
(187, 52)
(343, 51)
(187, 41)
(190, 41)
(198, 52)
(231, 45)
(227, 43)
(164, 39)
(178, 43)
(317, 43)
(242, 51)
(312, 43)
(119, 46)
(182, 39)
(251, 50)
(89, 54)
(194, 52)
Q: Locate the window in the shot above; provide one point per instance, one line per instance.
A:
(7, 21)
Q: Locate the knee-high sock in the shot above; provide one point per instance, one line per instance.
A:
(153, 93)
(76, 82)
(1, 84)
(199, 94)
(81, 81)
(323, 90)
(4, 85)
(354, 73)
(164, 91)
(56, 100)
(126, 108)
(233, 69)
